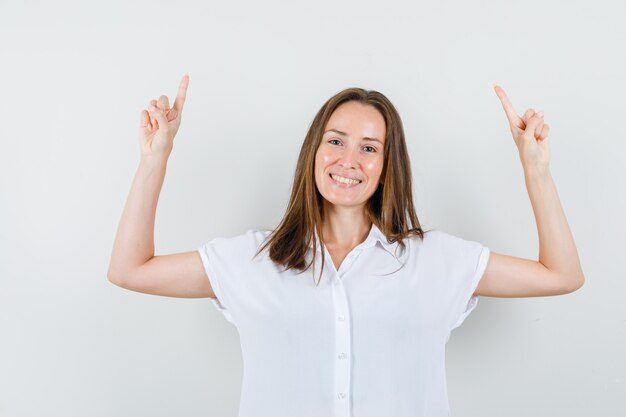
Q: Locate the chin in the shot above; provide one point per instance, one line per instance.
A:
(337, 202)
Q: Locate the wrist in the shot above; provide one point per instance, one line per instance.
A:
(153, 161)
(536, 172)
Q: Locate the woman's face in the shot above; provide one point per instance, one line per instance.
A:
(350, 158)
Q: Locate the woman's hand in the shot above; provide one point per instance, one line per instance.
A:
(529, 132)
(159, 124)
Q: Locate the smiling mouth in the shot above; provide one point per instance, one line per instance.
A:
(344, 180)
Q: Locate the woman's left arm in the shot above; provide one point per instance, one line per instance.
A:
(558, 270)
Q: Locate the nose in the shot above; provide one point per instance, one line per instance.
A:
(349, 158)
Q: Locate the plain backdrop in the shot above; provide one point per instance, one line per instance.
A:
(74, 77)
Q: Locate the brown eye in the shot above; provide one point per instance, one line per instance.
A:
(370, 149)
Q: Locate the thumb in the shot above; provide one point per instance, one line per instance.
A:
(534, 121)
(160, 118)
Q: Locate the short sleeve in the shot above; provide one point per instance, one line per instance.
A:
(480, 262)
(207, 252)
(465, 262)
(227, 262)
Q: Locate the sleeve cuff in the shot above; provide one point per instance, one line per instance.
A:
(473, 300)
(217, 290)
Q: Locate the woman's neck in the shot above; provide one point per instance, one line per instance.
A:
(345, 227)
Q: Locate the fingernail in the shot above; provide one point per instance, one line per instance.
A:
(540, 113)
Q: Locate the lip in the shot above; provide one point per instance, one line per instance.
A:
(345, 176)
(342, 184)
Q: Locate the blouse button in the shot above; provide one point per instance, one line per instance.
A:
(342, 355)
(341, 395)
(341, 317)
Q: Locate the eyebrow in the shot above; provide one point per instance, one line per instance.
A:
(345, 134)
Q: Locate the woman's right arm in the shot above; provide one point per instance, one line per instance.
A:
(133, 265)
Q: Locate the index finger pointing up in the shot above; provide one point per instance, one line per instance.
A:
(182, 93)
(514, 119)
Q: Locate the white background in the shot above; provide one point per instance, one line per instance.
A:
(74, 77)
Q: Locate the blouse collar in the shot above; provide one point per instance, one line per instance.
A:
(375, 236)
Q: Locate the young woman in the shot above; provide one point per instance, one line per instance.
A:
(345, 308)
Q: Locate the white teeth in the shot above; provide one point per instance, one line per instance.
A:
(344, 180)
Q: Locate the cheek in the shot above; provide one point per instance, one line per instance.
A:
(322, 159)
(325, 158)
(319, 165)
(374, 167)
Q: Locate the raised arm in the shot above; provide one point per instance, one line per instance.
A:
(133, 265)
(558, 269)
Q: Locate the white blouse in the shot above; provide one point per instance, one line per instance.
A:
(368, 341)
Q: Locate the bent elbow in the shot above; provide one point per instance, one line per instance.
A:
(575, 284)
(115, 278)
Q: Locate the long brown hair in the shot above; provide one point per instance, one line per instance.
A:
(390, 208)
